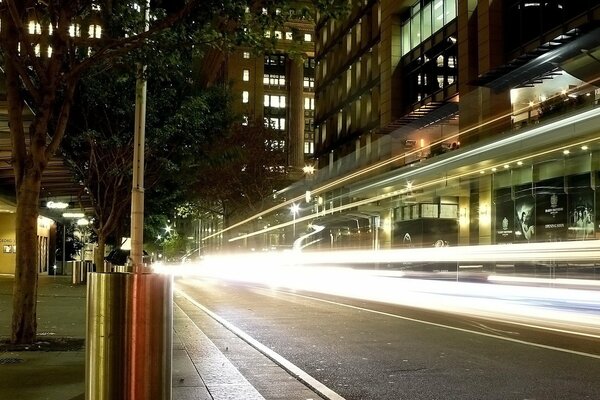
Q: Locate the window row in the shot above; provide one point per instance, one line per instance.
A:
(306, 37)
(427, 17)
(275, 59)
(274, 101)
(275, 123)
(94, 30)
(274, 80)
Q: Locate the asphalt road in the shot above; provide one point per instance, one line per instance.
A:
(364, 350)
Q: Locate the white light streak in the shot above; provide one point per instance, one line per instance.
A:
(558, 307)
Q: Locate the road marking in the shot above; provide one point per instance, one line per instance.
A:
(579, 353)
(294, 370)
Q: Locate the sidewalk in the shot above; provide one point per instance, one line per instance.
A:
(201, 370)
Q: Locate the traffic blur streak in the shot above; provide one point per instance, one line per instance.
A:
(550, 304)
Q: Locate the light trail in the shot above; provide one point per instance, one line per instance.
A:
(378, 165)
(554, 308)
(429, 183)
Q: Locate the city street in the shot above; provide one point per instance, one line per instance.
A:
(370, 350)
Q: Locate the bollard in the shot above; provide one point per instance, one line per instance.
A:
(129, 336)
(77, 266)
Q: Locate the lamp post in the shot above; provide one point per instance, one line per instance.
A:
(294, 209)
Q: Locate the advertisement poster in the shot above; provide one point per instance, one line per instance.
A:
(524, 214)
(426, 232)
(505, 211)
(581, 208)
(551, 210)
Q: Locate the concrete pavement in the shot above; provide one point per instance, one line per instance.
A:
(209, 361)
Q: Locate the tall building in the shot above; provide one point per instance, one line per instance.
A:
(274, 87)
(455, 122)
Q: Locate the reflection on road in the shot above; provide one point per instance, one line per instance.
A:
(563, 304)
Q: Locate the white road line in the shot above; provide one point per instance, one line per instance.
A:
(579, 353)
(218, 374)
(301, 375)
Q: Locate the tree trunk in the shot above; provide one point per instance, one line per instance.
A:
(99, 256)
(24, 318)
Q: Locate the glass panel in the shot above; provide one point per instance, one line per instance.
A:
(415, 31)
(438, 15)
(406, 38)
(449, 10)
(426, 21)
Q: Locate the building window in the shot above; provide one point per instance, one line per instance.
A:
(274, 80)
(275, 123)
(309, 147)
(309, 103)
(35, 28)
(309, 82)
(245, 96)
(75, 30)
(426, 18)
(307, 37)
(274, 101)
(246, 54)
(289, 36)
(245, 120)
(267, 34)
(246, 75)
(278, 35)
(95, 31)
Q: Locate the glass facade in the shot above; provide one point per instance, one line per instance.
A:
(427, 17)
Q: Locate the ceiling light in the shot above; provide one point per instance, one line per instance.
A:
(73, 215)
(61, 205)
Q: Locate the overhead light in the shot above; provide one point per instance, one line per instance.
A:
(519, 162)
(73, 215)
(82, 222)
(565, 152)
(584, 147)
(61, 205)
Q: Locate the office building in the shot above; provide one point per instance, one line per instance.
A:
(451, 122)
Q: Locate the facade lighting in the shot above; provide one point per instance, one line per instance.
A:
(61, 205)
(73, 215)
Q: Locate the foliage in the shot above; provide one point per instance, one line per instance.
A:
(47, 81)
(242, 170)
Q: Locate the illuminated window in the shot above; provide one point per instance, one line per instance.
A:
(307, 37)
(246, 54)
(246, 75)
(95, 31)
(278, 35)
(289, 35)
(245, 120)
(75, 30)
(274, 101)
(49, 51)
(34, 28)
(267, 34)
(309, 103)
(245, 96)
(37, 50)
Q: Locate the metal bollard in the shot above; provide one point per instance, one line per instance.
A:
(129, 336)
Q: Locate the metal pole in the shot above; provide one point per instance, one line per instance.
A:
(137, 191)
(64, 250)
(129, 315)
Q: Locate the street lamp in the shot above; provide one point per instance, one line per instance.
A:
(294, 209)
